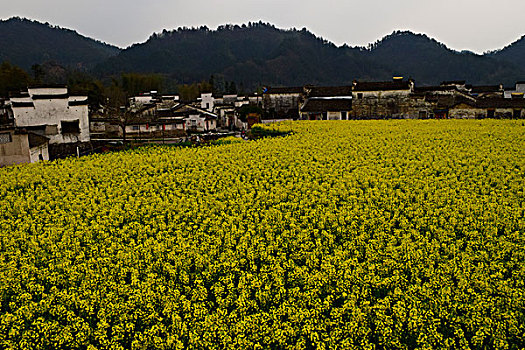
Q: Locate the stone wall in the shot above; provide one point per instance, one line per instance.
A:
(281, 105)
(380, 104)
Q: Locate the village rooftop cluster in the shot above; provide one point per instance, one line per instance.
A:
(46, 122)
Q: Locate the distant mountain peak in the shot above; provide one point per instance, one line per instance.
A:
(259, 53)
(25, 42)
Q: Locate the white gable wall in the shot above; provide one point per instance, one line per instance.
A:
(53, 111)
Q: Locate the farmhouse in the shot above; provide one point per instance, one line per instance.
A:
(326, 109)
(519, 88)
(19, 146)
(155, 126)
(380, 99)
(489, 108)
(52, 112)
(282, 102)
(327, 103)
(434, 101)
(487, 91)
(196, 119)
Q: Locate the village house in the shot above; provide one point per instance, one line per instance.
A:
(52, 112)
(518, 91)
(490, 108)
(103, 127)
(487, 91)
(428, 102)
(196, 119)
(154, 127)
(226, 116)
(282, 102)
(326, 109)
(19, 146)
(207, 101)
(228, 109)
(327, 103)
(371, 100)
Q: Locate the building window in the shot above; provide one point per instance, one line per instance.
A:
(5, 137)
(343, 116)
(136, 127)
(517, 113)
(70, 127)
(490, 113)
(359, 95)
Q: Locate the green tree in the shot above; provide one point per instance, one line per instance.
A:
(12, 78)
(134, 83)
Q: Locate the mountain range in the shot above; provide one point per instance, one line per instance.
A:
(259, 54)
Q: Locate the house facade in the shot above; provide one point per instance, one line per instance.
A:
(282, 102)
(52, 112)
(19, 146)
(371, 100)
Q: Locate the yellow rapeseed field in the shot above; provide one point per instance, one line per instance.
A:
(341, 235)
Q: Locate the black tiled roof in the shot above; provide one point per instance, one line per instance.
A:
(36, 140)
(329, 91)
(285, 90)
(381, 85)
(485, 88)
(50, 97)
(501, 103)
(22, 104)
(327, 105)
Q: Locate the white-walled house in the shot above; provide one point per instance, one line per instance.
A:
(51, 112)
(20, 146)
(207, 102)
(326, 109)
(197, 119)
(518, 92)
(147, 127)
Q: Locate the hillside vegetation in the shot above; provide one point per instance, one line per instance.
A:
(25, 43)
(255, 55)
(351, 234)
(262, 54)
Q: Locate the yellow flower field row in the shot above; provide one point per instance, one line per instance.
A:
(351, 234)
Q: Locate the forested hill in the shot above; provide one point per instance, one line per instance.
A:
(514, 53)
(252, 54)
(431, 62)
(259, 54)
(25, 42)
(262, 54)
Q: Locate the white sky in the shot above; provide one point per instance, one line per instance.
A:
(476, 25)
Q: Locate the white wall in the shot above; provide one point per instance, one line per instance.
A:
(53, 111)
(207, 102)
(334, 115)
(47, 91)
(35, 152)
(142, 99)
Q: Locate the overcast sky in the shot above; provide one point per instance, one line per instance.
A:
(476, 25)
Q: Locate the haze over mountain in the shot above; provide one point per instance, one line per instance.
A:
(261, 54)
(24, 42)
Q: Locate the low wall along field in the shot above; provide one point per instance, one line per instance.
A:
(352, 234)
